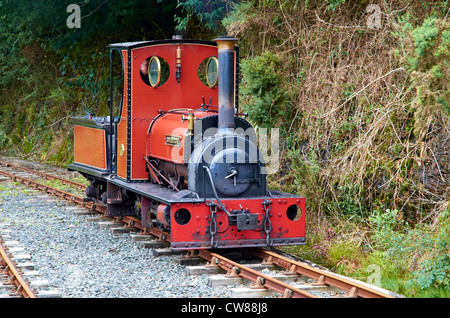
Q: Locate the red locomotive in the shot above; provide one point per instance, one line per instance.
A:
(190, 168)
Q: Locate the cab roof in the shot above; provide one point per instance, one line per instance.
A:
(137, 44)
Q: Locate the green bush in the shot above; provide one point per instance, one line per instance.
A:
(263, 94)
(50, 72)
(435, 269)
(426, 56)
(421, 254)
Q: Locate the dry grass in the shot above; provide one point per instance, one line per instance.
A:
(354, 108)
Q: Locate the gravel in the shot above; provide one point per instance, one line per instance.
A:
(82, 260)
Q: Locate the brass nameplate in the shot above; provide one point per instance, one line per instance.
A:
(173, 140)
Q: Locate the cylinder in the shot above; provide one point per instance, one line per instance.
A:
(227, 81)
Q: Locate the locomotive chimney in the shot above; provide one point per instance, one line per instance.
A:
(227, 81)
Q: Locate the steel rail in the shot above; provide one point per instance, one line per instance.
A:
(56, 192)
(323, 277)
(44, 175)
(16, 280)
(261, 279)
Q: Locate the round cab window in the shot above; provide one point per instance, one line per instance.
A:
(155, 71)
(208, 71)
(212, 71)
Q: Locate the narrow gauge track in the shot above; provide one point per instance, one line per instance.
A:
(12, 277)
(18, 276)
(43, 175)
(14, 173)
(352, 287)
(297, 270)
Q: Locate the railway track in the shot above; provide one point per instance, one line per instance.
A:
(263, 272)
(19, 278)
(276, 275)
(12, 278)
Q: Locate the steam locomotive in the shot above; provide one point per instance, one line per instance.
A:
(179, 156)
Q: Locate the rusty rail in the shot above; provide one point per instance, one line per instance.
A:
(323, 277)
(44, 175)
(261, 279)
(8, 268)
(55, 191)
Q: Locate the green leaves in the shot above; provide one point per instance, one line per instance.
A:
(434, 272)
(49, 72)
(209, 13)
(422, 251)
(426, 56)
(266, 99)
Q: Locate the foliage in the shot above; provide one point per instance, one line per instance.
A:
(333, 4)
(50, 72)
(385, 222)
(420, 253)
(209, 14)
(352, 130)
(364, 124)
(426, 56)
(435, 270)
(263, 95)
